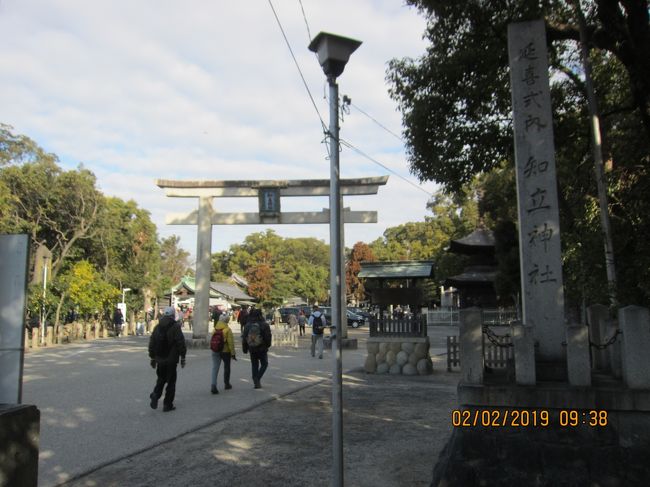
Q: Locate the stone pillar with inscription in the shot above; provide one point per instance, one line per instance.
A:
(598, 429)
(539, 223)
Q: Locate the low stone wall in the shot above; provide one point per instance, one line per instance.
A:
(402, 355)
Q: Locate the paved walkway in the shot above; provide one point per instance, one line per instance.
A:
(394, 429)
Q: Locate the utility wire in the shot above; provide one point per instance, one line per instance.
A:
(363, 154)
(305, 17)
(298, 66)
(325, 128)
(377, 122)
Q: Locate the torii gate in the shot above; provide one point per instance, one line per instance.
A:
(269, 193)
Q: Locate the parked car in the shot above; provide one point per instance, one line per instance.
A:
(295, 310)
(361, 312)
(354, 320)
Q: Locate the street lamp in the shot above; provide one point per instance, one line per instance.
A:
(333, 54)
(124, 291)
(45, 257)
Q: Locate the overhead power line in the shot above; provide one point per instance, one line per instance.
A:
(313, 102)
(363, 154)
(277, 19)
(377, 122)
(305, 17)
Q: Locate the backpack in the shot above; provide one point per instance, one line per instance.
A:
(318, 324)
(217, 341)
(162, 346)
(254, 336)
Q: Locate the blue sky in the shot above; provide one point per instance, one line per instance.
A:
(141, 90)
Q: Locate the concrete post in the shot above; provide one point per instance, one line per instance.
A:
(49, 335)
(635, 325)
(36, 339)
(471, 345)
(203, 269)
(597, 315)
(579, 369)
(523, 340)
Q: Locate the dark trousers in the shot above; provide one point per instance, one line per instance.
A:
(302, 329)
(259, 363)
(166, 375)
(217, 359)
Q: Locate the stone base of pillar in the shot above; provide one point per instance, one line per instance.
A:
(346, 343)
(547, 371)
(197, 342)
(19, 444)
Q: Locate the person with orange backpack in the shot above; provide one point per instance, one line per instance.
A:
(222, 345)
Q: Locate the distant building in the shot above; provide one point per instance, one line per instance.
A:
(225, 294)
(475, 286)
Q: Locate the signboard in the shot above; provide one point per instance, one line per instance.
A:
(14, 250)
(269, 201)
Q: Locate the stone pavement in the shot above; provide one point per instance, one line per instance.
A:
(394, 429)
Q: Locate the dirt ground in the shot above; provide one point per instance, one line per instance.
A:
(393, 426)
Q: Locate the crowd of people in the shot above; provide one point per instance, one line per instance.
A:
(167, 349)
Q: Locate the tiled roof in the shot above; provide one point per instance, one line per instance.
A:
(397, 269)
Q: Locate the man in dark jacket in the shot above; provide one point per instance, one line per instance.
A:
(166, 346)
(118, 319)
(256, 339)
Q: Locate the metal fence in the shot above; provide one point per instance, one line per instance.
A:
(491, 316)
(404, 327)
(497, 350)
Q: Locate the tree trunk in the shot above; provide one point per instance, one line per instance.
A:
(58, 315)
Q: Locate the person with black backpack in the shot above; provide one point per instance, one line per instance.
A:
(166, 347)
(318, 323)
(223, 349)
(256, 339)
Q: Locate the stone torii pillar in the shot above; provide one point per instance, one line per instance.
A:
(269, 194)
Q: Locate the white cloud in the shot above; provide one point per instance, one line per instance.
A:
(138, 91)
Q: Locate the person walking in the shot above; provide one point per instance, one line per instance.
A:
(222, 345)
(318, 323)
(256, 339)
(118, 319)
(302, 321)
(242, 317)
(166, 347)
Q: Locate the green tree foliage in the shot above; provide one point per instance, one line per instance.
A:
(174, 262)
(296, 266)
(450, 218)
(65, 211)
(456, 107)
(86, 288)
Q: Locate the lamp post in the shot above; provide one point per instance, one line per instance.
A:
(333, 54)
(44, 298)
(124, 291)
(123, 308)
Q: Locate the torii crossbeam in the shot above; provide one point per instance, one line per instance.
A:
(269, 194)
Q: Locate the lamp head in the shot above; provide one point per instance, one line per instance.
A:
(333, 52)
